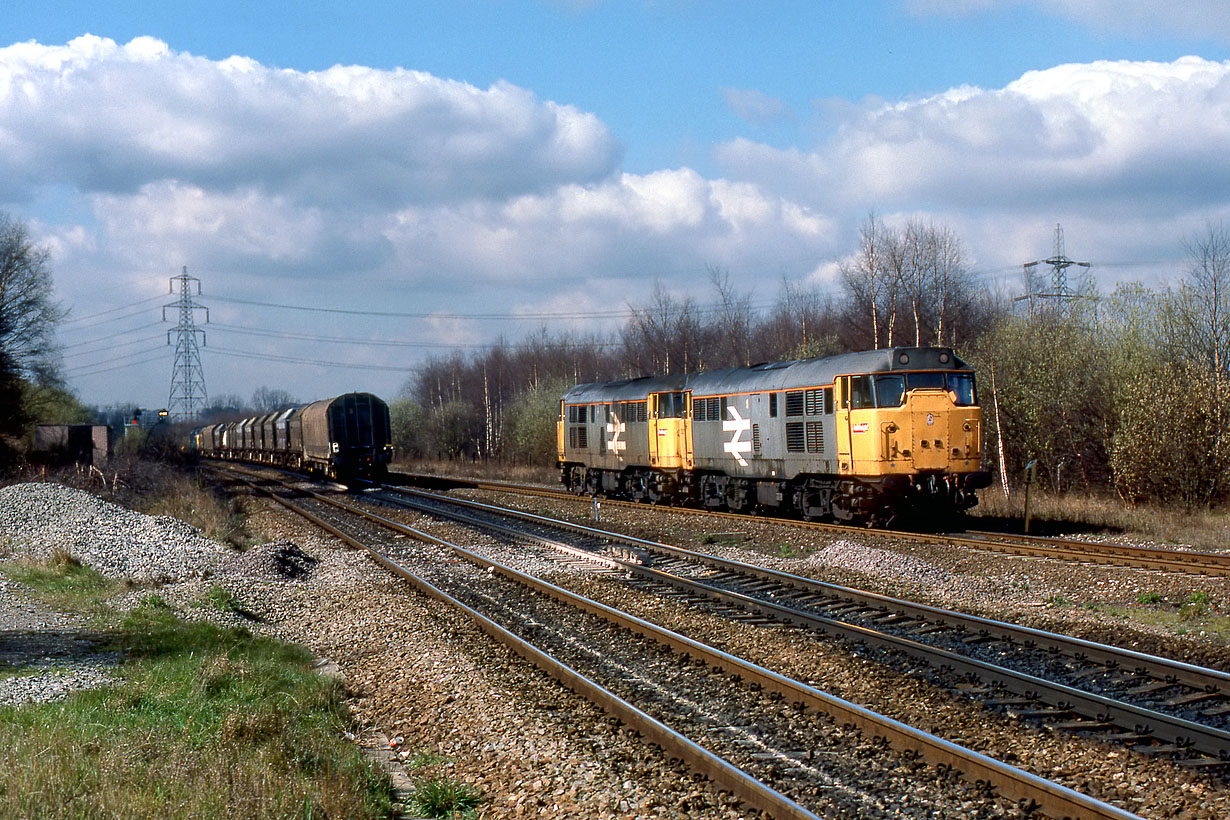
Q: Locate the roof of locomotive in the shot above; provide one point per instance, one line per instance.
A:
(771, 376)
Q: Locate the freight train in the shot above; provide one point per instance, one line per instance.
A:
(345, 437)
(862, 438)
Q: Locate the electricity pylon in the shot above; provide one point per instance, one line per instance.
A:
(188, 394)
(1059, 291)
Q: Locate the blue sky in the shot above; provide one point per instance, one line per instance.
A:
(461, 163)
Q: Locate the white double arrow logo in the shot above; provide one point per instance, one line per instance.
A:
(737, 446)
(616, 428)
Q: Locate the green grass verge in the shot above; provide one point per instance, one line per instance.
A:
(208, 723)
(64, 582)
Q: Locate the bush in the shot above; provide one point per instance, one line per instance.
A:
(1172, 444)
(529, 430)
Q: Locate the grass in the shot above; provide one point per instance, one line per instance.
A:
(445, 797)
(208, 722)
(476, 468)
(63, 582)
(220, 599)
(1184, 614)
(1075, 511)
(424, 759)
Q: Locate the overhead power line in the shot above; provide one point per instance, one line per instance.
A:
(271, 357)
(624, 313)
(117, 364)
(111, 310)
(108, 338)
(220, 327)
(111, 348)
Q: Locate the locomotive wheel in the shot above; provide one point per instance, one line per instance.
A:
(638, 486)
(737, 496)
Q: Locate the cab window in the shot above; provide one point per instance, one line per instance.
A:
(861, 394)
(962, 387)
(890, 391)
(672, 405)
(925, 381)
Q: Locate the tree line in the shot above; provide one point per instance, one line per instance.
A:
(1128, 391)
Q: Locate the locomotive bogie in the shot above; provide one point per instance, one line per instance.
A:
(859, 437)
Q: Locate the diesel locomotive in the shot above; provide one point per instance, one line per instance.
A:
(860, 437)
(348, 436)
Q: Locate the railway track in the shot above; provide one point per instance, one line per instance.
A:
(1066, 549)
(1154, 705)
(788, 761)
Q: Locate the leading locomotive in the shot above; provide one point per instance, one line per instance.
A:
(860, 437)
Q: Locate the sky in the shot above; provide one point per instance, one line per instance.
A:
(361, 186)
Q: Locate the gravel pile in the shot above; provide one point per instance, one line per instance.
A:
(39, 519)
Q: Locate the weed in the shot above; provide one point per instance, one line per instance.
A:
(1149, 598)
(219, 598)
(1056, 601)
(444, 797)
(1197, 605)
(421, 760)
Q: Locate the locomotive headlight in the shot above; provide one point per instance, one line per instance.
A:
(965, 427)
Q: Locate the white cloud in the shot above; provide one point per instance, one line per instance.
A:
(1201, 18)
(1083, 134)
(110, 118)
(633, 228)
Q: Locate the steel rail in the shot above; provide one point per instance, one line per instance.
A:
(724, 775)
(1165, 669)
(1012, 783)
(1151, 558)
(1148, 723)
(1210, 563)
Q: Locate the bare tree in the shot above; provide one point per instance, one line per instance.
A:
(914, 268)
(872, 277)
(1204, 300)
(28, 312)
(735, 321)
(662, 338)
(950, 288)
(267, 399)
